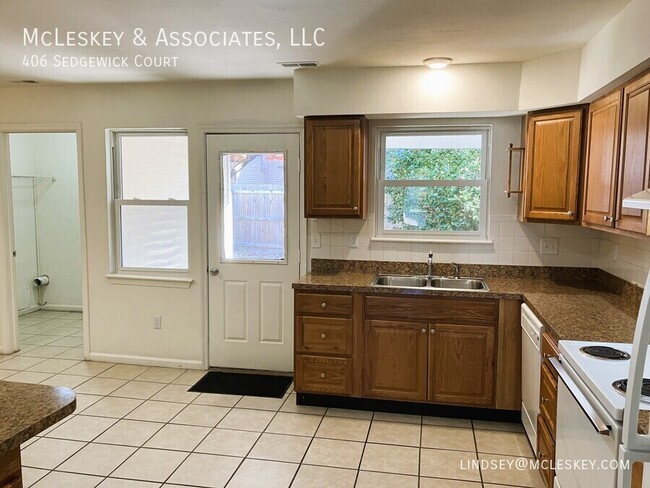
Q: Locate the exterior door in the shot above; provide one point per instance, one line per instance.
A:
(254, 252)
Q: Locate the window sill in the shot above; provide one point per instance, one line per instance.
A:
(433, 240)
(141, 280)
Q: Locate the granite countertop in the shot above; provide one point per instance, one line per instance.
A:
(26, 410)
(580, 304)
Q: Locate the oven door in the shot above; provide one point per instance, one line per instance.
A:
(587, 436)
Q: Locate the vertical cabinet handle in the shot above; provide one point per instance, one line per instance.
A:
(509, 191)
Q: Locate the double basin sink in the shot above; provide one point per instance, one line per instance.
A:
(431, 282)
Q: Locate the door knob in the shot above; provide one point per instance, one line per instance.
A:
(214, 271)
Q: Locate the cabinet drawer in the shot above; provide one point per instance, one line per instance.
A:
(323, 304)
(323, 375)
(549, 350)
(467, 311)
(548, 399)
(545, 452)
(327, 335)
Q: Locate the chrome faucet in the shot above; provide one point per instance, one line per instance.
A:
(456, 270)
(430, 264)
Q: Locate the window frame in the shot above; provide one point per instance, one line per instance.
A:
(479, 236)
(116, 202)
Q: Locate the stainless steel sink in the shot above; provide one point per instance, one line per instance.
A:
(401, 281)
(459, 283)
(435, 282)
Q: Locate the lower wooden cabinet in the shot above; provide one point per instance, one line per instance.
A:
(461, 364)
(545, 452)
(451, 364)
(395, 363)
(317, 374)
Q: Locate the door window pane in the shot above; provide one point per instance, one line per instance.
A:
(154, 236)
(154, 167)
(253, 206)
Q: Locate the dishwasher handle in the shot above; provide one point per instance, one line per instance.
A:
(582, 401)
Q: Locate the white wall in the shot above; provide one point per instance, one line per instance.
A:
(625, 257)
(513, 242)
(418, 90)
(120, 316)
(57, 216)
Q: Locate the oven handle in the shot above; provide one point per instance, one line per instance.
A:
(586, 407)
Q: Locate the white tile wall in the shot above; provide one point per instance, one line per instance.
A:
(513, 243)
(623, 256)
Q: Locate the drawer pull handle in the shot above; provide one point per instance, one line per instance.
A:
(544, 400)
(323, 305)
(323, 336)
(322, 375)
(424, 331)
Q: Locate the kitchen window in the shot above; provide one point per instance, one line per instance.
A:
(150, 200)
(433, 183)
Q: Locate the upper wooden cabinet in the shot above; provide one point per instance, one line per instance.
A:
(634, 160)
(604, 119)
(336, 166)
(552, 166)
(618, 159)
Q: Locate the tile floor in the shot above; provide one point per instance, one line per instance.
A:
(139, 427)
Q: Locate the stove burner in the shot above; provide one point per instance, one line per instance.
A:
(605, 352)
(621, 386)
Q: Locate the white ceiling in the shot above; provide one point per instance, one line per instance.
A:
(358, 33)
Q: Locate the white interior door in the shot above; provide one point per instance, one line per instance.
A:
(254, 252)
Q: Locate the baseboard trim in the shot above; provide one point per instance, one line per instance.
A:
(27, 310)
(62, 308)
(145, 360)
(391, 406)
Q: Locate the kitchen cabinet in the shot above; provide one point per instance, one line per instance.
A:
(551, 172)
(323, 343)
(603, 122)
(618, 159)
(395, 360)
(547, 418)
(634, 160)
(336, 182)
(461, 364)
(545, 453)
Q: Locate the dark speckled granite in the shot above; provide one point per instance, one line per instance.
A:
(574, 303)
(26, 410)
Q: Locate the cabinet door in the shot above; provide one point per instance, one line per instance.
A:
(395, 363)
(635, 154)
(461, 364)
(599, 204)
(335, 167)
(554, 147)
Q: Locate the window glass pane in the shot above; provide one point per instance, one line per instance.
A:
(154, 167)
(154, 236)
(438, 208)
(253, 206)
(433, 157)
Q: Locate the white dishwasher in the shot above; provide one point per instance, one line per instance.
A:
(531, 363)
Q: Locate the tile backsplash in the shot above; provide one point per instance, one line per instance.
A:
(512, 243)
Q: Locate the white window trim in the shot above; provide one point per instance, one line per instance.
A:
(479, 237)
(127, 275)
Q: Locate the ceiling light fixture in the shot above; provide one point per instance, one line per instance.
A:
(437, 63)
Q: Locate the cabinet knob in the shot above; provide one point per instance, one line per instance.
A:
(607, 218)
(541, 455)
(544, 400)
(570, 213)
(432, 331)
(323, 336)
(355, 209)
(322, 375)
(424, 331)
(323, 305)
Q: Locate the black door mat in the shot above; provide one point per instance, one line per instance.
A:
(261, 385)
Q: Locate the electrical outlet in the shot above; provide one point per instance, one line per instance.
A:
(549, 246)
(157, 321)
(354, 240)
(315, 239)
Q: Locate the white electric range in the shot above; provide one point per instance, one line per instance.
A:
(591, 412)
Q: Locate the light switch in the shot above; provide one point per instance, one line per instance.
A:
(315, 239)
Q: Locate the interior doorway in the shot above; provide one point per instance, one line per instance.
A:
(47, 243)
